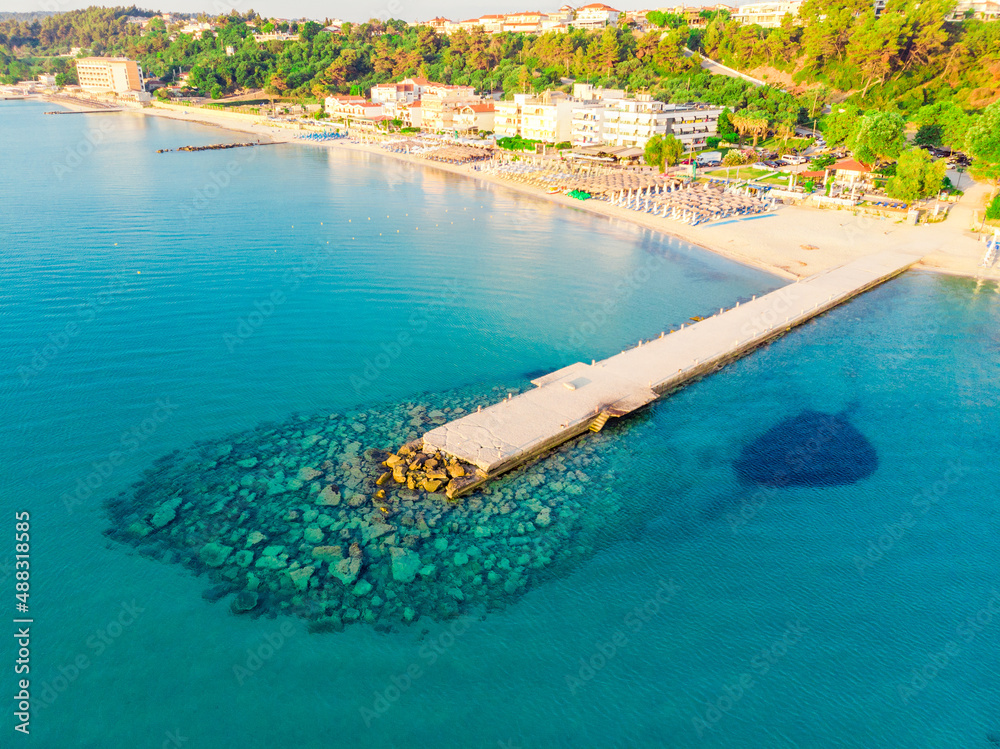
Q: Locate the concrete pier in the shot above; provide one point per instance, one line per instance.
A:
(582, 397)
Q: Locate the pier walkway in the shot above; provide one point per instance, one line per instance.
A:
(582, 397)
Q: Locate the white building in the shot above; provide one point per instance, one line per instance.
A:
(528, 23)
(632, 122)
(547, 118)
(478, 118)
(982, 10)
(440, 104)
(109, 75)
(587, 123)
(767, 15)
(355, 111)
(404, 92)
(412, 115)
(550, 117)
(277, 36)
(565, 14)
(195, 29)
(492, 24)
(595, 16)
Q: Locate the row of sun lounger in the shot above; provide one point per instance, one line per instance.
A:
(321, 136)
(692, 204)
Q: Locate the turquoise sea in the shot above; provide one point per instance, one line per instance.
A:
(150, 301)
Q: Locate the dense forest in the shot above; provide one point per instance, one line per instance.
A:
(908, 62)
(907, 57)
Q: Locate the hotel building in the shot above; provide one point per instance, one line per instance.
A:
(109, 75)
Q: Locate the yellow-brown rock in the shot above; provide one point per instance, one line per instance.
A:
(380, 481)
(431, 485)
(327, 553)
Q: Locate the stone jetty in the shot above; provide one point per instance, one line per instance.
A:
(582, 397)
(213, 147)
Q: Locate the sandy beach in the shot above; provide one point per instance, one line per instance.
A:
(781, 242)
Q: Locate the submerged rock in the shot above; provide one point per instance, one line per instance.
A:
(165, 513)
(810, 449)
(214, 554)
(405, 564)
(245, 600)
(346, 570)
(309, 517)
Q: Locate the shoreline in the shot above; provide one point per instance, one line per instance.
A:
(777, 242)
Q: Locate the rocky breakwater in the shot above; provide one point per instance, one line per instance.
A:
(428, 471)
(302, 518)
(212, 147)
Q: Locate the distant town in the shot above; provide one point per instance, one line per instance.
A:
(594, 85)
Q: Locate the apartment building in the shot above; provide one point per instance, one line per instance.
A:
(767, 15)
(396, 94)
(618, 121)
(547, 117)
(439, 104)
(529, 22)
(632, 122)
(109, 75)
(475, 118)
(595, 16)
(982, 10)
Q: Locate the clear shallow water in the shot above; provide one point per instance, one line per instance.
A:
(484, 302)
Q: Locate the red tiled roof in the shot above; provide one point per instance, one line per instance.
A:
(851, 165)
(480, 107)
(598, 6)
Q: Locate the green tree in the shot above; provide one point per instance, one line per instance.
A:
(945, 122)
(841, 124)
(663, 151)
(917, 176)
(657, 18)
(982, 143)
(309, 30)
(879, 137)
(928, 135)
(735, 158)
(725, 124)
(610, 48)
(993, 209)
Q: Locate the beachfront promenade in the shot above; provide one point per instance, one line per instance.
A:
(582, 397)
